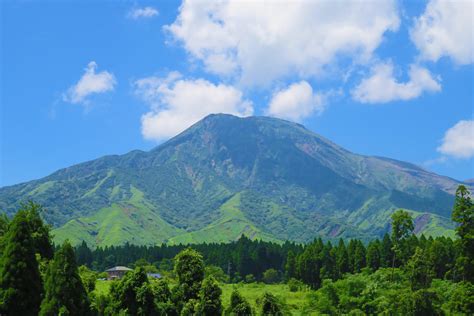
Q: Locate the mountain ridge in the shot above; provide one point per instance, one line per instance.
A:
(288, 182)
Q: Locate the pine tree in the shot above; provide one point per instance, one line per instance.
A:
(84, 255)
(463, 213)
(373, 255)
(359, 256)
(20, 280)
(64, 291)
(210, 298)
(308, 265)
(420, 270)
(40, 232)
(386, 251)
(290, 265)
(439, 256)
(342, 259)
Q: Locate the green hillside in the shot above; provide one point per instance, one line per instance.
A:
(226, 176)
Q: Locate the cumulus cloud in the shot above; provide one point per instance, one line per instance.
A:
(261, 41)
(381, 86)
(146, 12)
(446, 28)
(90, 83)
(458, 141)
(296, 102)
(177, 103)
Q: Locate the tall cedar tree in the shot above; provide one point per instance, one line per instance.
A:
(210, 298)
(20, 280)
(463, 213)
(64, 291)
(420, 270)
(402, 229)
(359, 256)
(189, 268)
(309, 265)
(39, 230)
(386, 251)
(373, 255)
(290, 265)
(342, 259)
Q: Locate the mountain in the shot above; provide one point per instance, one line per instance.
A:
(226, 176)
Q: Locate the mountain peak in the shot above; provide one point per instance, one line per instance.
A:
(228, 175)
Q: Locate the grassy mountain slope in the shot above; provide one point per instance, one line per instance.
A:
(224, 176)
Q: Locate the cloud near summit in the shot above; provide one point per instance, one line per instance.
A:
(177, 103)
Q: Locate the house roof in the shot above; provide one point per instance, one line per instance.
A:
(118, 268)
(154, 275)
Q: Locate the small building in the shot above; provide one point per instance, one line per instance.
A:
(154, 275)
(117, 272)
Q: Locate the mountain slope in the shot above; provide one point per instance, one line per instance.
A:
(225, 176)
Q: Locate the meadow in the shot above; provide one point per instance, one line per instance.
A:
(295, 301)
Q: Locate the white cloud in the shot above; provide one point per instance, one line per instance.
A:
(178, 103)
(446, 28)
(90, 83)
(146, 12)
(382, 86)
(296, 102)
(260, 41)
(458, 141)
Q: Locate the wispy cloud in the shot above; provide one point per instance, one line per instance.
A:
(90, 83)
(145, 12)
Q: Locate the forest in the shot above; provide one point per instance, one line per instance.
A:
(399, 274)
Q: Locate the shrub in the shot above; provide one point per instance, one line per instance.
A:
(271, 276)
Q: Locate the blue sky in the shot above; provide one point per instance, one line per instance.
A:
(83, 79)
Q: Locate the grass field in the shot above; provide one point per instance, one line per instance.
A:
(294, 300)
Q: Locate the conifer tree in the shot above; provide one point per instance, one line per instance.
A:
(342, 259)
(40, 232)
(210, 298)
(290, 265)
(386, 251)
(402, 229)
(20, 280)
(64, 291)
(373, 255)
(309, 265)
(359, 256)
(238, 305)
(189, 268)
(270, 305)
(420, 270)
(463, 213)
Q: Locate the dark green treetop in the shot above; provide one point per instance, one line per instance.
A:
(210, 298)
(239, 306)
(64, 290)
(20, 280)
(189, 268)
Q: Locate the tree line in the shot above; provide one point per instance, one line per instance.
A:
(38, 278)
